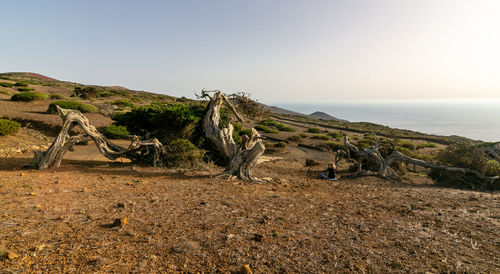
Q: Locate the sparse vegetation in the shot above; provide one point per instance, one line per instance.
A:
(28, 96)
(8, 127)
(407, 144)
(265, 129)
(124, 103)
(465, 155)
(182, 153)
(314, 130)
(6, 84)
(86, 92)
(24, 89)
(426, 145)
(331, 145)
(21, 84)
(82, 107)
(295, 138)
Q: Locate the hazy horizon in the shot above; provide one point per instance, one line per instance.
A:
(278, 51)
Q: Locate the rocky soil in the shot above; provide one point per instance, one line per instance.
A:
(92, 215)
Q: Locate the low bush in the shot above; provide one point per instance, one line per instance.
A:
(6, 92)
(24, 89)
(311, 162)
(182, 153)
(314, 130)
(269, 122)
(294, 138)
(82, 107)
(335, 135)
(6, 84)
(280, 145)
(303, 135)
(283, 127)
(21, 84)
(28, 96)
(265, 129)
(86, 92)
(57, 96)
(242, 132)
(115, 132)
(124, 103)
(105, 94)
(465, 155)
(425, 145)
(8, 127)
(407, 144)
(320, 137)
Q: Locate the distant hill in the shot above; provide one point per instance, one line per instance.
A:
(325, 116)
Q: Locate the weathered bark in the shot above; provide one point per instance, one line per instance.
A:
(243, 158)
(382, 165)
(138, 151)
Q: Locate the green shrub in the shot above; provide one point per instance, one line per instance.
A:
(335, 135)
(82, 107)
(24, 89)
(425, 145)
(105, 94)
(355, 137)
(8, 127)
(294, 138)
(124, 103)
(492, 168)
(21, 84)
(115, 132)
(464, 155)
(314, 130)
(237, 127)
(86, 92)
(57, 96)
(320, 137)
(283, 127)
(407, 144)
(6, 92)
(269, 122)
(182, 153)
(163, 121)
(265, 129)
(303, 135)
(6, 84)
(405, 151)
(28, 96)
(424, 157)
(247, 132)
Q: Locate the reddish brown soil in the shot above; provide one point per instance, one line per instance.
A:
(59, 220)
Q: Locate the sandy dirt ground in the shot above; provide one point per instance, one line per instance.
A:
(92, 215)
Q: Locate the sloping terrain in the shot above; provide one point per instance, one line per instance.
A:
(94, 215)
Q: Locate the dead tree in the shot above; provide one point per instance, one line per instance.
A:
(243, 158)
(382, 166)
(148, 151)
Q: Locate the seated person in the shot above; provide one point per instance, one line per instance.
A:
(330, 173)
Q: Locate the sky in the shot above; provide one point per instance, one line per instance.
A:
(276, 50)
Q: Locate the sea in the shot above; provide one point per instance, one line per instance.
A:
(477, 119)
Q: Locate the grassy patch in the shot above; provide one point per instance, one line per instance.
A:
(314, 130)
(28, 96)
(8, 127)
(266, 129)
(115, 132)
(320, 137)
(6, 84)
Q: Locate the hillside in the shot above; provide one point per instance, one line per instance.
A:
(92, 214)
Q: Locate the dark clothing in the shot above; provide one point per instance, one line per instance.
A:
(330, 173)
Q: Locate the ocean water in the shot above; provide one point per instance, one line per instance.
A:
(475, 119)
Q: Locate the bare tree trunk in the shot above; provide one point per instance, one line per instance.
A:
(242, 159)
(138, 151)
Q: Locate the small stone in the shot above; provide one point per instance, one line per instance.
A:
(33, 194)
(473, 198)
(85, 189)
(246, 269)
(123, 221)
(257, 237)
(11, 255)
(22, 174)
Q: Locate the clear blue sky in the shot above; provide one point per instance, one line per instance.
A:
(279, 51)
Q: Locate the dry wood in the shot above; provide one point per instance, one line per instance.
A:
(383, 165)
(243, 158)
(148, 151)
